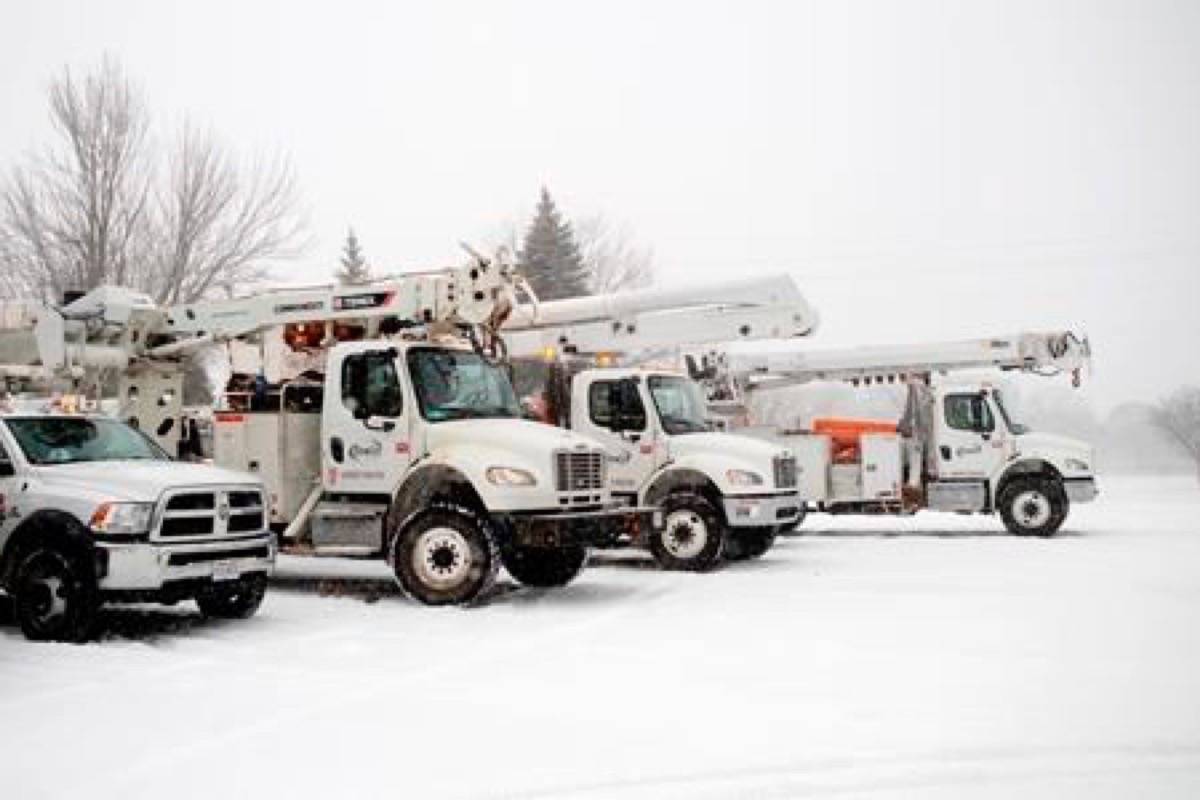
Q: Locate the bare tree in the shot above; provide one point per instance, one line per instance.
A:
(100, 207)
(1178, 414)
(72, 216)
(613, 260)
(218, 223)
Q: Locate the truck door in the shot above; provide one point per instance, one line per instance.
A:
(616, 417)
(365, 432)
(969, 444)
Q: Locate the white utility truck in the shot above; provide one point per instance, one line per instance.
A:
(721, 494)
(956, 447)
(390, 429)
(92, 511)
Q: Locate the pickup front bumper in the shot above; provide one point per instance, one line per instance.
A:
(761, 510)
(154, 566)
(600, 527)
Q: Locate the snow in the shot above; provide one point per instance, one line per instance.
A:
(931, 657)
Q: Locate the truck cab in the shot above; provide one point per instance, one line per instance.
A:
(720, 494)
(418, 451)
(92, 511)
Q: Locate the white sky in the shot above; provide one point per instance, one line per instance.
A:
(925, 170)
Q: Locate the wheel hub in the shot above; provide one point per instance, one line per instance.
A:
(442, 557)
(685, 534)
(1032, 509)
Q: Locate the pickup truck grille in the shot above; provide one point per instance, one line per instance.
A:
(785, 472)
(579, 470)
(209, 513)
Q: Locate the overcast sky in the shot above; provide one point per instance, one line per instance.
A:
(925, 170)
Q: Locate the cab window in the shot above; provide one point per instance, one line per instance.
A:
(616, 405)
(969, 412)
(370, 385)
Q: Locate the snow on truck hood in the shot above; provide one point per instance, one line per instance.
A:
(1053, 443)
(143, 481)
(730, 443)
(505, 433)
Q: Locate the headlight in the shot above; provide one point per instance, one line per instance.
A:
(1075, 465)
(122, 518)
(741, 477)
(510, 476)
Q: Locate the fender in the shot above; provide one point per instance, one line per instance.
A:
(46, 526)
(1020, 468)
(712, 468)
(673, 477)
(424, 485)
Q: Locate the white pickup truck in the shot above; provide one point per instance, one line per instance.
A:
(92, 511)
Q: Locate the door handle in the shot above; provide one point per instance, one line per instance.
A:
(337, 449)
(945, 452)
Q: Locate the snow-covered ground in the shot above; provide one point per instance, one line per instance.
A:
(932, 657)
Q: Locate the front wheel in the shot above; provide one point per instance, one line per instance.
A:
(1033, 506)
(238, 599)
(692, 536)
(544, 567)
(446, 557)
(54, 597)
(743, 544)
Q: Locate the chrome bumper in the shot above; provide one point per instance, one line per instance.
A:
(1081, 490)
(145, 566)
(762, 509)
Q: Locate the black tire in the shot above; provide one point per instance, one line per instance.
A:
(692, 537)
(544, 567)
(446, 556)
(55, 597)
(238, 599)
(743, 544)
(1033, 506)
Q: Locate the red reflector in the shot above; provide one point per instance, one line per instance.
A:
(230, 418)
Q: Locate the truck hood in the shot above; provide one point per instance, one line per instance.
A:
(741, 448)
(139, 481)
(518, 435)
(1051, 444)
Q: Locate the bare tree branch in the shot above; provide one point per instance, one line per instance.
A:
(612, 259)
(1178, 415)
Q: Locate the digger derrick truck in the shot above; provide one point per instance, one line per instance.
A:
(91, 510)
(956, 447)
(387, 427)
(720, 494)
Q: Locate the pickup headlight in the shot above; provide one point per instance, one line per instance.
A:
(122, 518)
(1075, 465)
(742, 477)
(510, 476)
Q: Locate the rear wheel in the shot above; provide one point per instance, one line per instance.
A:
(742, 544)
(544, 567)
(692, 536)
(238, 599)
(1033, 506)
(445, 557)
(54, 597)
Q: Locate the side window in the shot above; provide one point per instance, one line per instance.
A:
(370, 386)
(6, 465)
(969, 412)
(616, 405)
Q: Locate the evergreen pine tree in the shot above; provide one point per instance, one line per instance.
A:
(354, 269)
(550, 257)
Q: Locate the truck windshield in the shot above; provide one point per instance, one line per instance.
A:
(680, 404)
(68, 440)
(456, 384)
(1012, 425)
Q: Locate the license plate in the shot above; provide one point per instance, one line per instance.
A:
(226, 571)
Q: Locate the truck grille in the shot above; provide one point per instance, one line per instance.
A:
(579, 470)
(211, 513)
(785, 472)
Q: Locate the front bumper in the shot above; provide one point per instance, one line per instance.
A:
(152, 566)
(1081, 490)
(599, 527)
(759, 510)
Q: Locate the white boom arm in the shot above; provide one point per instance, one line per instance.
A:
(646, 319)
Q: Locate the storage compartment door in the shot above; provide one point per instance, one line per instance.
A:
(881, 474)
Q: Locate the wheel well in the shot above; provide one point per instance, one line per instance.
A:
(435, 484)
(42, 528)
(1032, 467)
(685, 480)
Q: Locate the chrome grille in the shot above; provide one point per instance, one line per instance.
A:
(785, 472)
(578, 470)
(211, 513)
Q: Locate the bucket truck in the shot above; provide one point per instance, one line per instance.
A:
(720, 494)
(91, 510)
(956, 446)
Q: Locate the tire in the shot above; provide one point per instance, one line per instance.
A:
(239, 599)
(1033, 506)
(743, 544)
(55, 597)
(447, 556)
(692, 536)
(544, 567)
